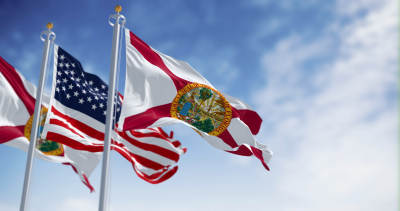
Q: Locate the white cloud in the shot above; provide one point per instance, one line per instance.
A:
(335, 122)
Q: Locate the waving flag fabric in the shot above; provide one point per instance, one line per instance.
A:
(77, 117)
(160, 90)
(17, 104)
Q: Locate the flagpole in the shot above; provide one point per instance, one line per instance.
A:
(36, 114)
(110, 107)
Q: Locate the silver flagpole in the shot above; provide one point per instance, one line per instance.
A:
(36, 115)
(110, 107)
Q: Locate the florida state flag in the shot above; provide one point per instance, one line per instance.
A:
(160, 91)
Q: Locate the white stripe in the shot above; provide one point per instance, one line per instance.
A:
(12, 110)
(65, 132)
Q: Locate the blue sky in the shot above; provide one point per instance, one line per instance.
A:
(322, 75)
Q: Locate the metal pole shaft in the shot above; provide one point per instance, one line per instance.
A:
(109, 118)
(34, 130)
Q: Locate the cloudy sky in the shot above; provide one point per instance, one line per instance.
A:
(322, 75)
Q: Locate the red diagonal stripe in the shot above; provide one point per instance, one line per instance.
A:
(16, 83)
(147, 118)
(156, 60)
(8, 133)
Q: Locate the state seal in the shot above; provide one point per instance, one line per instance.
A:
(47, 147)
(202, 107)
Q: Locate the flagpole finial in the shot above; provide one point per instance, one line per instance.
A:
(49, 26)
(118, 8)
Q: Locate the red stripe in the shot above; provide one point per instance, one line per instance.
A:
(99, 148)
(166, 176)
(72, 143)
(176, 143)
(258, 154)
(156, 60)
(155, 134)
(250, 118)
(244, 151)
(8, 133)
(151, 148)
(147, 118)
(79, 125)
(228, 139)
(62, 124)
(163, 132)
(143, 161)
(16, 83)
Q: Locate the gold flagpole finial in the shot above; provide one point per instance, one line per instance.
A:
(118, 8)
(49, 26)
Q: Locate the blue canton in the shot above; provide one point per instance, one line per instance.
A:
(82, 91)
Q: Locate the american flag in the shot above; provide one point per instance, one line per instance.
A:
(77, 117)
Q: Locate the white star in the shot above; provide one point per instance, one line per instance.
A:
(89, 99)
(91, 83)
(94, 107)
(58, 81)
(85, 82)
(68, 96)
(63, 88)
(59, 73)
(96, 89)
(72, 78)
(61, 64)
(78, 85)
(57, 89)
(65, 80)
(66, 72)
(72, 72)
(62, 57)
(104, 112)
(101, 105)
(81, 101)
(84, 91)
(118, 109)
(70, 86)
(102, 98)
(96, 98)
(84, 85)
(103, 87)
(103, 94)
(78, 79)
(76, 94)
(67, 65)
(118, 102)
(83, 75)
(73, 64)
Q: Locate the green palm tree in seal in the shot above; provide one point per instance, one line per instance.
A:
(205, 94)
